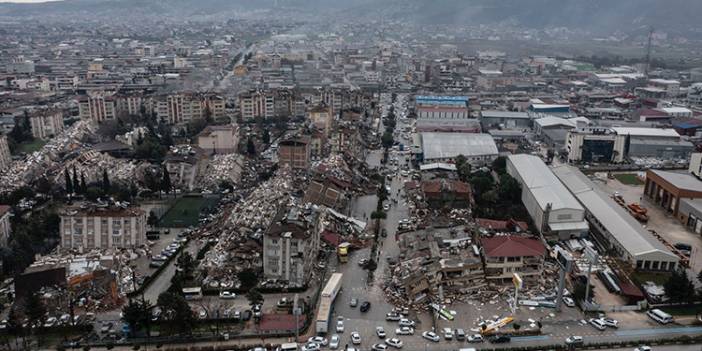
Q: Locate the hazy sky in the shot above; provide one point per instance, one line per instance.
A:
(26, 1)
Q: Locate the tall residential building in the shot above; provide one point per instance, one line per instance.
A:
(290, 246)
(5, 228)
(294, 153)
(186, 107)
(89, 226)
(321, 118)
(46, 123)
(256, 104)
(98, 108)
(5, 158)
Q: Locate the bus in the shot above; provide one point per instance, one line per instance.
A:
(192, 293)
(660, 316)
(290, 346)
(326, 302)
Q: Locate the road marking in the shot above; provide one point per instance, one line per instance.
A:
(677, 330)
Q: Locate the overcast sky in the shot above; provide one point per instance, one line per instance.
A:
(27, 1)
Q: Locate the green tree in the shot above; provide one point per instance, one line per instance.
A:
(186, 264)
(76, 181)
(500, 165)
(105, 182)
(137, 315)
(177, 312)
(378, 215)
(34, 309)
(679, 288)
(387, 140)
(69, 181)
(509, 190)
(248, 279)
(152, 220)
(254, 296)
(166, 185)
(250, 147)
(481, 183)
(266, 136)
(83, 186)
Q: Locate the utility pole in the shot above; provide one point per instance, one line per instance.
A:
(648, 52)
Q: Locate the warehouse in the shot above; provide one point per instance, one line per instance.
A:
(479, 149)
(505, 120)
(615, 229)
(668, 188)
(549, 203)
(451, 107)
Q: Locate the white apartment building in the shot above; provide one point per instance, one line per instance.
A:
(290, 247)
(256, 104)
(5, 228)
(87, 227)
(46, 123)
(5, 157)
(98, 108)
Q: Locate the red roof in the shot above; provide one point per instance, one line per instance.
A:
(331, 238)
(501, 225)
(512, 246)
(281, 322)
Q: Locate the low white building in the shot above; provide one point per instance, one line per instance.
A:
(93, 227)
(478, 149)
(550, 205)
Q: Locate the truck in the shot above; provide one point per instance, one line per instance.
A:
(326, 302)
(342, 252)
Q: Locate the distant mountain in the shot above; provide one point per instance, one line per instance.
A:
(594, 15)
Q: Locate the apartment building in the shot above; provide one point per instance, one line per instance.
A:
(290, 246)
(505, 255)
(256, 104)
(5, 157)
(294, 154)
(98, 108)
(321, 118)
(90, 226)
(5, 228)
(221, 139)
(46, 123)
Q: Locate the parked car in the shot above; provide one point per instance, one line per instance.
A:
(340, 325)
(392, 317)
(356, 338)
(568, 301)
(404, 322)
(394, 342)
(227, 295)
(334, 342)
(310, 346)
(380, 332)
(379, 347)
(353, 302)
(597, 323)
(448, 334)
(431, 336)
(574, 340)
(365, 306)
(613, 323)
(643, 348)
(460, 334)
(404, 331)
(318, 339)
(475, 338)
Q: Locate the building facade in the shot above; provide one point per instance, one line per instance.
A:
(294, 154)
(5, 157)
(5, 228)
(447, 107)
(98, 108)
(219, 139)
(668, 188)
(508, 254)
(46, 123)
(91, 227)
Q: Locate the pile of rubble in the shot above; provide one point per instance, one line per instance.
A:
(239, 246)
(226, 167)
(92, 163)
(21, 172)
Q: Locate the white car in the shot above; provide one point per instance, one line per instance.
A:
(227, 295)
(355, 338)
(448, 334)
(334, 342)
(568, 301)
(318, 340)
(404, 331)
(597, 323)
(310, 346)
(574, 340)
(394, 342)
(50, 322)
(340, 325)
(379, 347)
(475, 338)
(643, 348)
(406, 323)
(431, 336)
(392, 317)
(610, 322)
(380, 332)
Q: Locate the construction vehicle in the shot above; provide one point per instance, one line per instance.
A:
(639, 212)
(493, 326)
(342, 252)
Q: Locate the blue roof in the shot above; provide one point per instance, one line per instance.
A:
(441, 100)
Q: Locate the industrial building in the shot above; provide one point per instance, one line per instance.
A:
(551, 206)
(452, 107)
(617, 143)
(479, 149)
(505, 120)
(669, 188)
(614, 228)
(696, 164)
(448, 125)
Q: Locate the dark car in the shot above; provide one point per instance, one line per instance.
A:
(500, 339)
(365, 306)
(246, 315)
